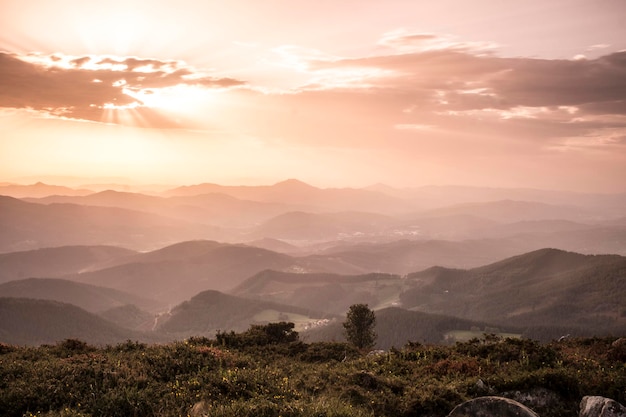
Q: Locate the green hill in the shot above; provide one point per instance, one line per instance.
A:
(26, 321)
(548, 287)
(211, 311)
(129, 316)
(331, 293)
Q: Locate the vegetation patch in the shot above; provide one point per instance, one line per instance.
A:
(268, 371)
(466, 335)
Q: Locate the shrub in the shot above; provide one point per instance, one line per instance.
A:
(328, 351)
(259, 335)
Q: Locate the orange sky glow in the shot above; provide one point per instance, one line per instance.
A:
(335, 93)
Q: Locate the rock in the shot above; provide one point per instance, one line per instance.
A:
(617, 351)
(491, 407)
(481, 385)
(199, 409)
(481, 388)
(595, 406)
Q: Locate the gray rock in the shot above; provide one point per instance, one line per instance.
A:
(483, 389)
(617, 351)
(491, 407)
(595, 406)
(199, 409)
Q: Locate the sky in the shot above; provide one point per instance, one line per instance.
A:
(336, 93)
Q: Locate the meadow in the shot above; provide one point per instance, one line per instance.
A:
(268, 371)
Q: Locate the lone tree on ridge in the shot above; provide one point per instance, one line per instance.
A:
(359, 326)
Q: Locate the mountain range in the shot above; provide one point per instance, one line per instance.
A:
(198, 259)
(543, 293)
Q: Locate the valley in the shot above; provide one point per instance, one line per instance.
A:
(436, 264)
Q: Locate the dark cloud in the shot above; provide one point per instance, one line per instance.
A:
(534, 82)
(26, 85)
(506, 82)
(81, 93)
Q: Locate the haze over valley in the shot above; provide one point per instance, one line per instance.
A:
(174, 264)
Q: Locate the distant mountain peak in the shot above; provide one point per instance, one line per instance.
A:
(292, 183)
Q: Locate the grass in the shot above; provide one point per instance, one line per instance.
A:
(255, 377)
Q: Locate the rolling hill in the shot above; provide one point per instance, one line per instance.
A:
(88, 297)
(39, 189)
(58, 261)
(131, 317)
(330, 293)
(433, 197)
(546, 287)
(25, 226)
(34, 322)
(406, 256)
(396, 327)
(210, 311)
(209, 209)
(309, 198)
(175, 273)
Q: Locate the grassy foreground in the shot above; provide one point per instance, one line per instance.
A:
(267, 371)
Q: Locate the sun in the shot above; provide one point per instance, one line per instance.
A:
(180, 98)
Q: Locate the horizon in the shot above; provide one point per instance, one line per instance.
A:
(76, 183)
(406, 94)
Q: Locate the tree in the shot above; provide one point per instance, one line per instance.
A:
(260, 335)
(359, 326)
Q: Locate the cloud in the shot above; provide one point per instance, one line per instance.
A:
(89, 87)
(405, 41)
(510, 82)
(472, 76)
(439, 77)
(452, 103)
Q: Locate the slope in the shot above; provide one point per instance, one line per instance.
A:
(39, 190)
(212, 208)
(25, 226)
(395, 327)
(210, 311)
(88, 297)
(294, 192)
(175, 273)
(331, 293)
(545, 287)
(55, 262)
(34, 322)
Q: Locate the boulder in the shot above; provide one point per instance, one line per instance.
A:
(491, 407)
(595, 406)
